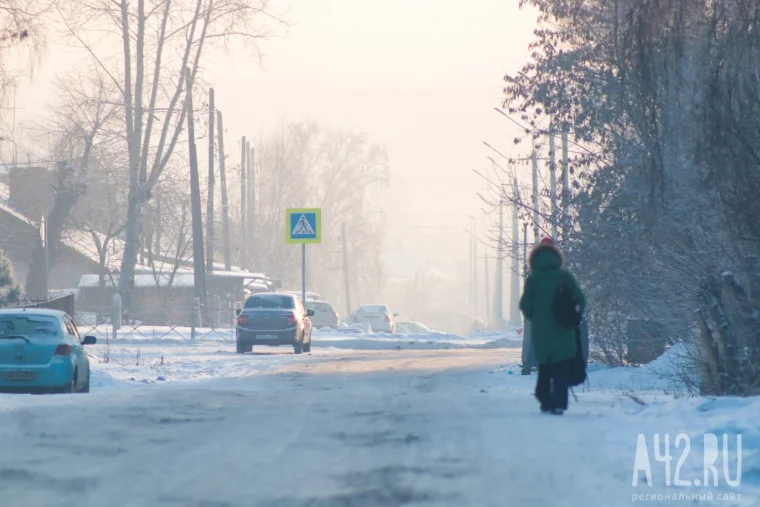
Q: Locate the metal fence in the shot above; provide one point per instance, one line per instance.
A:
(210, 322)
(213, 321)
(64, 303)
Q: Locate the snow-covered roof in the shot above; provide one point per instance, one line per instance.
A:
(7, 209)
(84, 243)
(258, 287)
(240, 274)
(78, 240)
(144, 280)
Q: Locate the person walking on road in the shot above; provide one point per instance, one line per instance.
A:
(554, 344)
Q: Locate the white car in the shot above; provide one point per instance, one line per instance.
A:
(324, 314)
(379, 317)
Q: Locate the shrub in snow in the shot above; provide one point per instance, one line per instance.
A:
(10, 290)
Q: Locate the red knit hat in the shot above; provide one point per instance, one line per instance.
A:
(547, 241)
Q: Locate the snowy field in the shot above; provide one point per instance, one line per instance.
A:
(364, 420)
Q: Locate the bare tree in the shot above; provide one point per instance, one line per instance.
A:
(341, 168)
(21, 28)
(170, 253)
(79, 126)
(159, 40)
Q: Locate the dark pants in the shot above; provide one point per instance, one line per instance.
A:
(551, 387)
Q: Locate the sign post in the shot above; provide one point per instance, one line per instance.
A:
(44, 239)
(302, 226)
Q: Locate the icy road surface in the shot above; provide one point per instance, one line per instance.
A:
(337, 428)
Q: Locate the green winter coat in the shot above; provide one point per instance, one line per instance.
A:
(552, 343)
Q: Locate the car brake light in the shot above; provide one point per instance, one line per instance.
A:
(292, 320)
(62, 350)
(243, 319)
(387, 318)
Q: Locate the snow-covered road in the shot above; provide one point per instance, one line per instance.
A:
(340, 427)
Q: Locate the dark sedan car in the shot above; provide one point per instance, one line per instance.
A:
(273, 319)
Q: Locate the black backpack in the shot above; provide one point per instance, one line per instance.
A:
(577, 374)
(567, 312)
(565, 307)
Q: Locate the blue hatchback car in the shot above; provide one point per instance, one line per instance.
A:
(41, 352)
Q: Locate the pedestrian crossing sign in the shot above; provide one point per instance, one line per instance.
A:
(303, 225)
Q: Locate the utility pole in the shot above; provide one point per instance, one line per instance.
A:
(243, 213)
(223, 183)
(526, 267)
(470, 234)
(475, 264)
(346, 276)
(195, 196)
(157, 244)
(211, 182)
(252, 204)
(488, 288)
(528, 357)
(565, 188)
(514, 293)
(553, 180)
(534, 161)
(498, 300)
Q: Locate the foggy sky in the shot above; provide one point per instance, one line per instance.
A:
(420, 76)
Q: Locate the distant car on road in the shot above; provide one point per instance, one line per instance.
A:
(273, 318)
(41, 351)
(379, 317)
(412, 327)
(324, 314)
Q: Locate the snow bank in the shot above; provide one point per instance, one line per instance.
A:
(358, 340)
(509, 339)
(662, 374)
(346, 338)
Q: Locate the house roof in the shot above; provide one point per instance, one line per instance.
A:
(182, 278)
(7, 209)
(83, 243)
(143, 280)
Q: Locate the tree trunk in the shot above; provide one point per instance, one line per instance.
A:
(225, 209)
(102, 271)
(131, 241)
(252, 209)
(752, 267)
(195, 191)
(211, 183)
(66, 194)
(243, 214)
(726, 342)
(712, 384)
